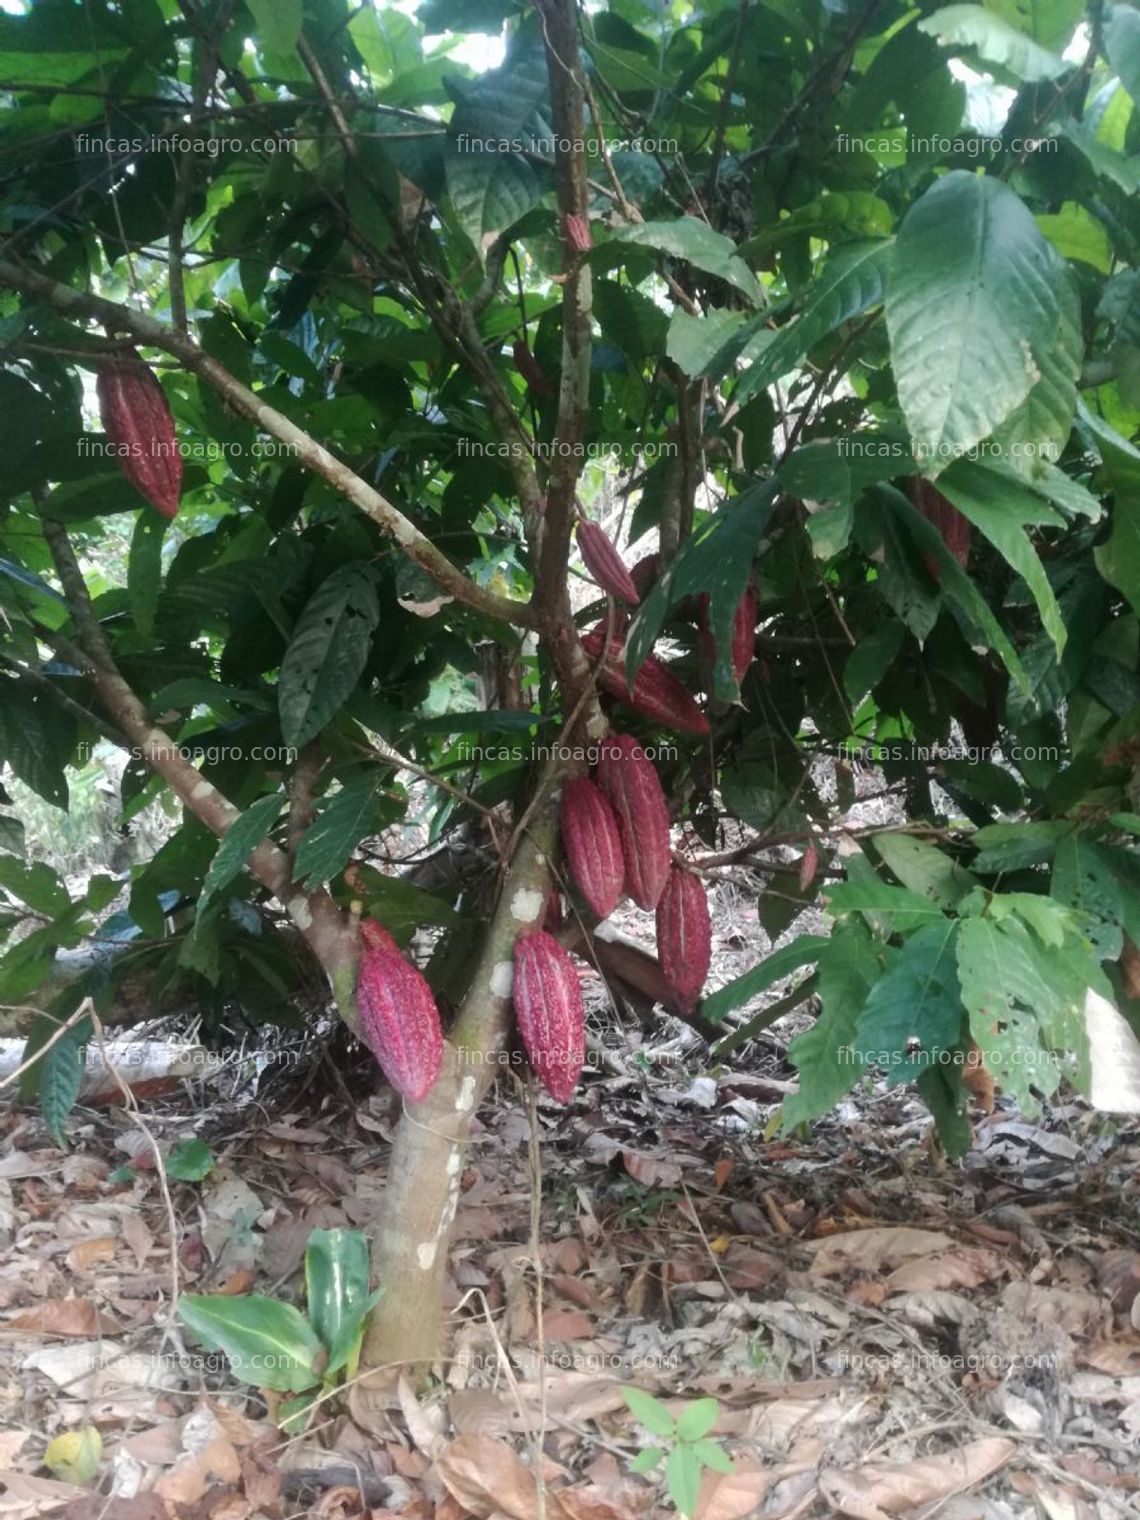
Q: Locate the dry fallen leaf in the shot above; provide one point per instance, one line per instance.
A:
(882, 1249)
(877, 1488)
(66, 1316)
(490, 1478)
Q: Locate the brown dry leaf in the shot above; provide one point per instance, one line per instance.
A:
(137, 1236)
(66, 1316)
(568, 1325)
(22, 1496)
(92, 1253)
(927, 1480)
(884, 1248)
(651, 1171)
(489, 1478)
(11, 1443)
(964, 1267)
(116, 1507)
(732, 1496)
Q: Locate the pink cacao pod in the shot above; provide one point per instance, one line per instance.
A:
(398, 1016)
(548, 1007)
(136, 418)
(656, 690)
(954, 528)
(576, 230)
(604, 562)
(627, 777)
(684, 937)
(593, 845)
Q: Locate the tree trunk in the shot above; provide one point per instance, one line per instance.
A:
(426, 1164)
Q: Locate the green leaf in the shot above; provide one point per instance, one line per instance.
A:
(994, 41)
(924, 869)
(61, 1073)
(709, 345)
(717, 559)
(330, 839)
(498, 135)
(872, 657)
(269, 1344)
(712, 1455)
(1118, 560)
(238, 843)
(650, 1412)
(824, 1055)
(698, 244)
(697, 1419)
(833, 470)
(1083, 879)
(74, 1457)
(973, 307)
(901, 909)
(1122, 44)
(804, 950)
(37, 740)
(916, 999)
(1010, 846)
(144, 570)
(852, 281)
(336, 1289)
(683, 1479)
(278, 23)
(327, 653)
(1001, 512)
(647, 1460)
(37, 885)
(190, 1161)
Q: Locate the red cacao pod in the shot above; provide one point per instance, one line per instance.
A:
(954, 528)
(136, 418)
(656, 690)
(548, 1007)
(743, 632)
(627, 777)
(398, 1016)
(684, 937)
(576, 230)
(592, 843)
(530, 369)
(604, 562)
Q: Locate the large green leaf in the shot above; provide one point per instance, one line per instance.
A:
(852, 281)
(269, 1344)
(330, 839)
(912, 1019)
(698, 244)
(238, 843)
(824, 1055)
(327, 652)
(336, 1288)
(993, 40)
(803, 950)
(973, 306)
(497, 138)
(1122, 44)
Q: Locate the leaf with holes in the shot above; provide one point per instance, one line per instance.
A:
(327, 653)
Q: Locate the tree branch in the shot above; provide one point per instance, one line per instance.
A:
(306, 449)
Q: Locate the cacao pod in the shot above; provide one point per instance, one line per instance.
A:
(576, 230)
(743, 632)
(548, 1007)
(684, 937)
(136, 418)
(627, 777)
(604, 562)
(398, 1016)
(530, 369)
(656, 690)
(646, 573)
(592, 843)
(954, 528)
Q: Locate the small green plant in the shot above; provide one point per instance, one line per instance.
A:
(273, 1345)
(686, 1447)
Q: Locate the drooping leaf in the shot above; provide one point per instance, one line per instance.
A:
(327, 652)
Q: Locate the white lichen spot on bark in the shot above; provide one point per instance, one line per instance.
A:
(526, 905)
(300, 912)
(203, 789)
(425, 1255)
(502, 979)
(466, 1099)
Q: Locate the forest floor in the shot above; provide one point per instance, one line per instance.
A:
(886, 1333)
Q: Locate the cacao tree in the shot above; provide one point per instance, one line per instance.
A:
(384, 344)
